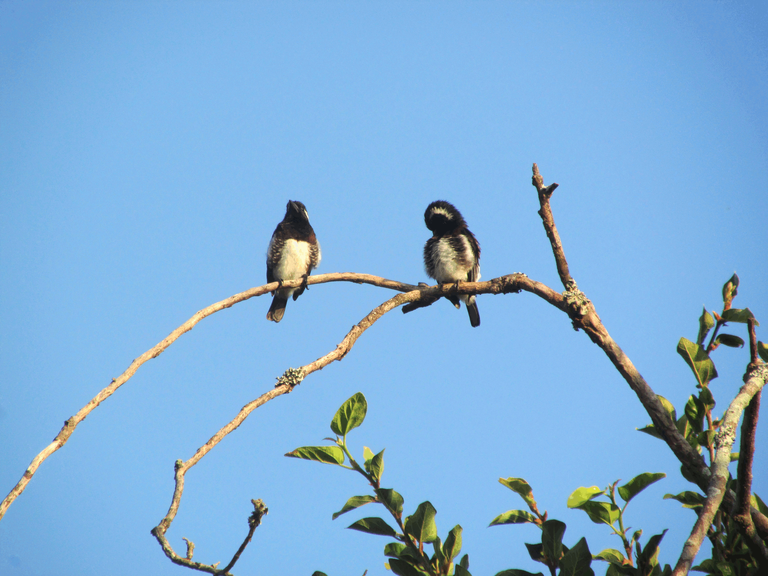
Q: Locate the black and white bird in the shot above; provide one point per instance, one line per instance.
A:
(453, 253)
(293, 253)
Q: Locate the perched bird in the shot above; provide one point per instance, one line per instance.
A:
(293, 252)
(453, 253)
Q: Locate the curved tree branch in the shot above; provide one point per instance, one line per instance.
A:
(69, 426)
(293, 376)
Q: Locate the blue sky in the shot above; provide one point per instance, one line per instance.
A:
(147, 151)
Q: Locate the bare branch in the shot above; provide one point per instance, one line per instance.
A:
(545, 193)
(755, 379)
(69, 426)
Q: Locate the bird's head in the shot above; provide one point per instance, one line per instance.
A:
(442, 216)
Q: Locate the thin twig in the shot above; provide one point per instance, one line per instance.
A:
(545, 193)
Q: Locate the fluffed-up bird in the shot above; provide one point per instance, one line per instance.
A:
(453, 253)
(293, 253)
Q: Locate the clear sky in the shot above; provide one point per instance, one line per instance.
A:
(147, 151)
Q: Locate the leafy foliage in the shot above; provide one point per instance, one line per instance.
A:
(406, 552)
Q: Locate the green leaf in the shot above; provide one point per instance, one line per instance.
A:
(513, 517)
(706, 322)
(688, 499)
(515, 572)
(651, 550)
(611, 555)
(638, 484)
(367, 455)
(403, 568)
(729, 340)
(536, 552)
(394, 549)
(706, 398)
(687, 475)
(650, 430)
(421, 525)
(698, 359)
(352, 503)
(375, 466)
(759, 504)
(452, 545)
(324, 454)
(601, 512)
(762, 351)
(350, 415)
(577, 560)
(373, 526)
(668, 407)
(582, 495)
(459, 570)
(392, 500)
(552, 539)
(709, 566)
(706, 438)
(740, 315)
(318, 573)
(521, 487)
(730, 291)
(464, 562)
(694, 410)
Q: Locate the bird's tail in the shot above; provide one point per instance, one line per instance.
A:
(277, 309)
(474, 313)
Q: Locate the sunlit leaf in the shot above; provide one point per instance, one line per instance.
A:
(394, 549)
(762, 351)
(694, 410)
(513, 517)
(611, 555)
(759, 504)
(375, 466)
(392, 500)
(452, 545)
(698, 359)
(706, 398)
(350, 415)
(373, 526)
(421, 525)
(740, 315)
(688, 499)
(324, 454)
(601, 512)
(521, 487)
(515, 572)
(582, 495)
(352, 503)
(638, 484)
(650, 430)
(706, 322)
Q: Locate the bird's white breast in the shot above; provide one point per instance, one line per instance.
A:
(449, 268)
(294, 260)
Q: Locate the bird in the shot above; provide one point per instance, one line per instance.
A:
(293, 253)
(453, 253)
